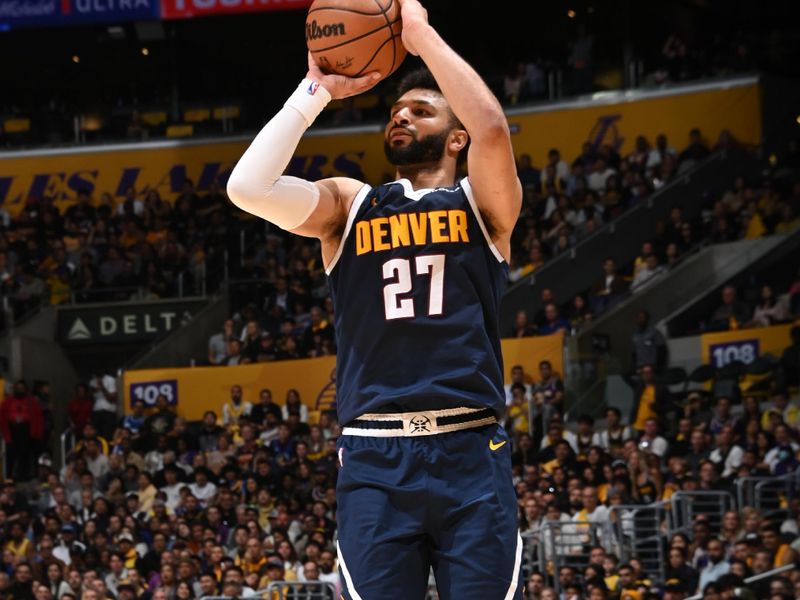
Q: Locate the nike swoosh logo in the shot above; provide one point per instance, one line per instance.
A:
(493, 446)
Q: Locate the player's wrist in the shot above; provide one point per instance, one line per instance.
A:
(309, 99)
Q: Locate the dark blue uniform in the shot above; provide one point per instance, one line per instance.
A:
(417, 284)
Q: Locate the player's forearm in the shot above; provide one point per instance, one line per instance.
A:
(468, 95)
(256, 184)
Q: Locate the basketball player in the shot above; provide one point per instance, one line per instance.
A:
(416, 268)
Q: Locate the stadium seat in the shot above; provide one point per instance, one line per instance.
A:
(701, 379)
(226, 112)
(154, 117)
(760, 376)
(197, 115)
(675, 378)
(726, 381)
(17, 125)
(183, 130)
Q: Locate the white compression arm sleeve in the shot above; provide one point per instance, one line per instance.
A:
(256, 184)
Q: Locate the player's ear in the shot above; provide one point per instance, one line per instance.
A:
(459, 138)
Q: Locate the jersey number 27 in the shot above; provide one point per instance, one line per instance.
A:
(398, 270)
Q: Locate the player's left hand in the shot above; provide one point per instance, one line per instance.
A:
(415, 20)
(340, 86)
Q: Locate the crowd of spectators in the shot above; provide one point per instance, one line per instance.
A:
(164, 508)
(745, 210)
(169, 509)
(568, 480)
(100, 250)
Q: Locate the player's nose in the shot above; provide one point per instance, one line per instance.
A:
(401, 117)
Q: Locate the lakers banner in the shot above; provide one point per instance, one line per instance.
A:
(196, 390)
(617, 124)
(358, 153)
(745, 345)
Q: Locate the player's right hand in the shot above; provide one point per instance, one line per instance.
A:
(415, 23)
(340, 86)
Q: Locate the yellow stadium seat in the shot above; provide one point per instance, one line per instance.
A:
(197, 115)
(20, 125)
(226, 112)
(185, 130)
(154, 118)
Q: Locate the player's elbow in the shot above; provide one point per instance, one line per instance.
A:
(243, 191)
(494, 128)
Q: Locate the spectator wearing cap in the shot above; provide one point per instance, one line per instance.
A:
(68, 544)
(717, 565)
(127, 549)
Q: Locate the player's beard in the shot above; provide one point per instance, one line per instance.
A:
(429, 149)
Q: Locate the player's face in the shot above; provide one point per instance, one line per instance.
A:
(418, 129)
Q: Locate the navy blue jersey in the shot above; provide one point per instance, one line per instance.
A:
(416, 283)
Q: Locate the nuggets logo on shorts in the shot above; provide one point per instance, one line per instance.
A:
(420, 424)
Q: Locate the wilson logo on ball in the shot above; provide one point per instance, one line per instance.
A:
(315, 32)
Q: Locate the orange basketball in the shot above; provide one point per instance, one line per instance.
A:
(354, 37)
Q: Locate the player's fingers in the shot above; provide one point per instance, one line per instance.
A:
(357, 85)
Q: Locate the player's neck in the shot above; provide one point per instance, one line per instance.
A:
(427, 176)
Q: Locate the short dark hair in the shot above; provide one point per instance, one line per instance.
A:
(420, 78)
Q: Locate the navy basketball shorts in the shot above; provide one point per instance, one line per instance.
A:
(447, 501)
